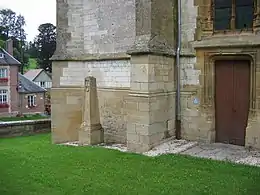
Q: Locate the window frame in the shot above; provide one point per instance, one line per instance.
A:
(31, 101)
(3, 73)
(3, 93)
(44, 84)
(233, 21)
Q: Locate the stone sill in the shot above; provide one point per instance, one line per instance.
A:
(24, 122)
(228, 41)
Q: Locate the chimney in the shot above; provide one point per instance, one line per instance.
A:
(9, 47)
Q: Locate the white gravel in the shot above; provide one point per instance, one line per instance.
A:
(212, 151)
(171, 147)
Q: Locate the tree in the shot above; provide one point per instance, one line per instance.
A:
(7, 21)
(46, 45)
(18, 31)
(12, 26)
(32, 50)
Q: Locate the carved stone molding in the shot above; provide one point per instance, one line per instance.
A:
(209, 73)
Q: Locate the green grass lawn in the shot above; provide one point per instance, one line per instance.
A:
(26, 117)
(32, 165)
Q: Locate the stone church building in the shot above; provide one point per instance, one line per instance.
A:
(130, 46)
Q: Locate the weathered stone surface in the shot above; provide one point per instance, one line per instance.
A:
(154, 25)
(109, 74)
(188, 26)
(89, 28)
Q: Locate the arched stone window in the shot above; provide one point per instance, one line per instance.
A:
(233, 14)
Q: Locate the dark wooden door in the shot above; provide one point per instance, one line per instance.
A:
(232, 96)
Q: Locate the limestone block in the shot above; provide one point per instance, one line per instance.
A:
(66, 118)
(110, 73)
(138, 147)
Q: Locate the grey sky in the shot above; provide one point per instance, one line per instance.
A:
(36, 12)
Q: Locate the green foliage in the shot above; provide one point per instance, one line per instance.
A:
(46, 45)
(32, 165)
(2, 43)
(41, 49)
(12, 25)
(32, 50)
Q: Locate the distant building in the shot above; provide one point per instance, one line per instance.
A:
(40, 77)
(17, 93)
(32, 96)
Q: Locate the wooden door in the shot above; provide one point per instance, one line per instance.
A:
(232, 96)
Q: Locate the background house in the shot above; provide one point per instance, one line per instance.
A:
(32, 96)
(17, 93)
(8, 83)
(43, 79)
(39, 77)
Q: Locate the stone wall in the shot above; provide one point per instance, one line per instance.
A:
(22, 128)
(189, 75)
(96, 36)
(151, 102)
(188, 25)
(113, 81)
(94, 27)
(199, 121)
(92, 40)
(113, 112)
(108, 26)
(109, 73)
(67, 114)
(129, 47)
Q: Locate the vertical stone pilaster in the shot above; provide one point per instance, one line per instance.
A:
(91, 131)
(257, 16)
(155, 27)
(151, 101)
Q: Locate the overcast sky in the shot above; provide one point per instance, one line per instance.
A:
(35, 12)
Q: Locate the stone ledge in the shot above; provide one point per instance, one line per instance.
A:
(99, 89)
(152, 51)
(121, 56)
(161, 93)
(90, 57)
(151, 44)
(228, 41)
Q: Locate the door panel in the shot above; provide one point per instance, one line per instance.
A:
(224, 99)
(241, 101)
(232, 96)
